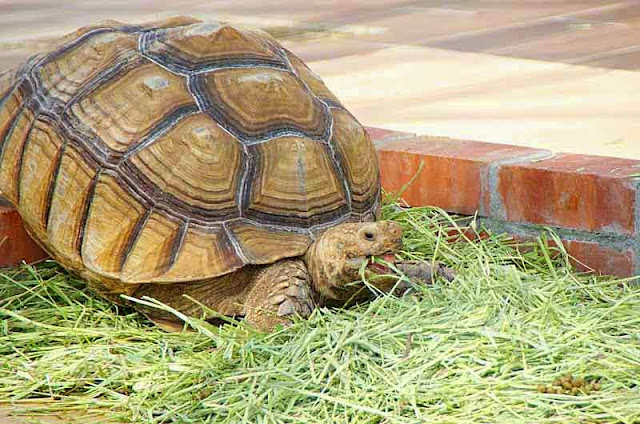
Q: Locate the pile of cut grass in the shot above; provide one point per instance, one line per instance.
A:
(495, 345)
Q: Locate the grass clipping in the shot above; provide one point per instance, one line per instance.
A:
(517, 337)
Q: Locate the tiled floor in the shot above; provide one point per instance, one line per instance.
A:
(554, 74)
(490, 98)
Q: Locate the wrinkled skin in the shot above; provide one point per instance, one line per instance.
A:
(269, 295)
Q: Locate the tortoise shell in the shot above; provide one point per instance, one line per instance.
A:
(178, 151)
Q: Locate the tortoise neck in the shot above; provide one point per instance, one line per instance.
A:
(313, 259)
(324, 266)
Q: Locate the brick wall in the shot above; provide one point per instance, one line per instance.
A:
(592, 202)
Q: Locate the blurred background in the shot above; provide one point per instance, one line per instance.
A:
(548, 73)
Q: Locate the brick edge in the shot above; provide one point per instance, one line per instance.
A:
(604, 246)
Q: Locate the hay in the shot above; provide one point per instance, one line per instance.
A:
(488, 347)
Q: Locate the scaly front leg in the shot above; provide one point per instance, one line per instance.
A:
(424, 272)
(278, 292)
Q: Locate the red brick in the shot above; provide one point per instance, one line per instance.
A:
(591, 256)
(455, 172)
(602, 259)
(591, 193)
(15, 243)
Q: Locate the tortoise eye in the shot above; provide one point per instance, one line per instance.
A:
(369, 235)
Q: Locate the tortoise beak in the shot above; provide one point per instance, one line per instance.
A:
(371, 263)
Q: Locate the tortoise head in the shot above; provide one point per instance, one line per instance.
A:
(336, 258)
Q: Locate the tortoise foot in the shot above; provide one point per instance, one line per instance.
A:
(279, 292)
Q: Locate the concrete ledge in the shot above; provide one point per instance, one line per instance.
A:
(591, 202)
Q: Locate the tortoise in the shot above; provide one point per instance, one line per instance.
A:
(190, 158)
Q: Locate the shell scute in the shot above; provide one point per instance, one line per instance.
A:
(203, 252)
(206, 46)
(261, 103)
(13, 135)
(153, 251)
(263, 245)
(113, 218)
(197, 162)
(37, 175)
(125, 109)
(295, 183)
(68, 204)
(69, 71)
(359, 160)
(11, 106)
